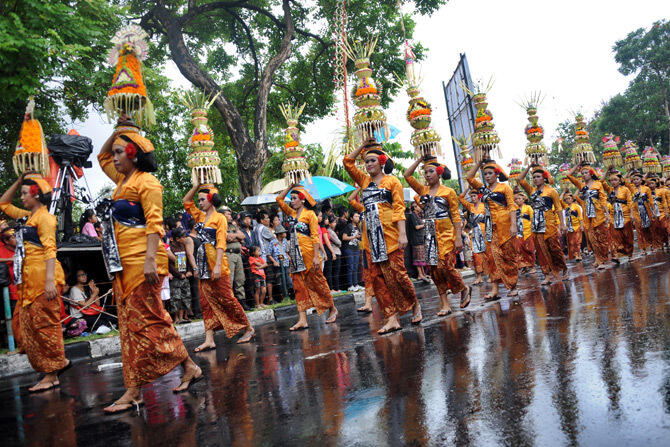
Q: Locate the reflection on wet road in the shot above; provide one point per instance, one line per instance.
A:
(586, 362)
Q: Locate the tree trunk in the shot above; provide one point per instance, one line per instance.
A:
(251, 153)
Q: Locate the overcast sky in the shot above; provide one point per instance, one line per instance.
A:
(563, 48)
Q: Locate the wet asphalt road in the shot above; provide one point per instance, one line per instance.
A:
(586, 362)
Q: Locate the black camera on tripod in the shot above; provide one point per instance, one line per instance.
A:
(72, 150)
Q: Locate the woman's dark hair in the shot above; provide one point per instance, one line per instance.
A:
(146, 161)
(85, 217)
(216, 200)
(171, 223)
(45, 199)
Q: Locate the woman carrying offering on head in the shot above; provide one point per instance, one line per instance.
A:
(622, 201)
(150, 345)
(39, 278)
(547, 213)
(310, 286)
(525, 242)
(220, 308)
(572, 216)
(500, 226)
(476, 217)
(596, 217)
(442, 232)
(642, 214)
(384, 215)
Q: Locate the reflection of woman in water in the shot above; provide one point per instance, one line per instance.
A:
(385, 223)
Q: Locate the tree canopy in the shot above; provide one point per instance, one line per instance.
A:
(642, 112)
(55, 51)
(261, 53)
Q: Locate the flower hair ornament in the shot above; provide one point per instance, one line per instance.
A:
(130, 150)
(210, 197)
(34, 190)
(301, 196)
(439, 170)
(382, 160)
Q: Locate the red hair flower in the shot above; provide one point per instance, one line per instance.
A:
(479, 196)
(382, 159)
(545, 174)
(34, 190)
(210, 196)
(301, 196)
(130, 150)
(593, 172)
(439, 170)
(497, 171)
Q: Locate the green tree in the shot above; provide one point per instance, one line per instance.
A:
(56, 51)
(642, 112)
(244, 48)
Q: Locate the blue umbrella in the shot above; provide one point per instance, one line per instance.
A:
(322, 188)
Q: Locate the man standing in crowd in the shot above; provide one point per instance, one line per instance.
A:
(265, 237)
(246, 227)
(234, 254)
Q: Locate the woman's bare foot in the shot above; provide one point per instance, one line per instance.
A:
(192, 373)
(366, 309)
(443, 312)
(478, 282)
(417, 316)
(299, 325)
(546, 281)
(130, 399)
(248, 335)
(466, 295)
(49, 381)
(332, 315)
(206, 346)
(392, 325)
(514, 292)
(601, 266)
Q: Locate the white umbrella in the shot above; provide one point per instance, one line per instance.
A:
(274, 187)
(261, 199)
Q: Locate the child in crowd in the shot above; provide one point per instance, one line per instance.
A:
(279, 252)
(258, 265)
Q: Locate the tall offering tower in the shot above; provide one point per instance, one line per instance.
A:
(295, 165)
(369, 118)
(203, 160)
(425, 139)
(128, 94)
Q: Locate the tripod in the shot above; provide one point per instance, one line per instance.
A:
(61, 201)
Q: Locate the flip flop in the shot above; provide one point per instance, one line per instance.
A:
(489, 298)
(50, 387)
(208, 348)
(465, 303)
(133, 404)
(449, 312)
(364, 311)
(416, 323)
(191, 382)
(388, 331)
(301, 328)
